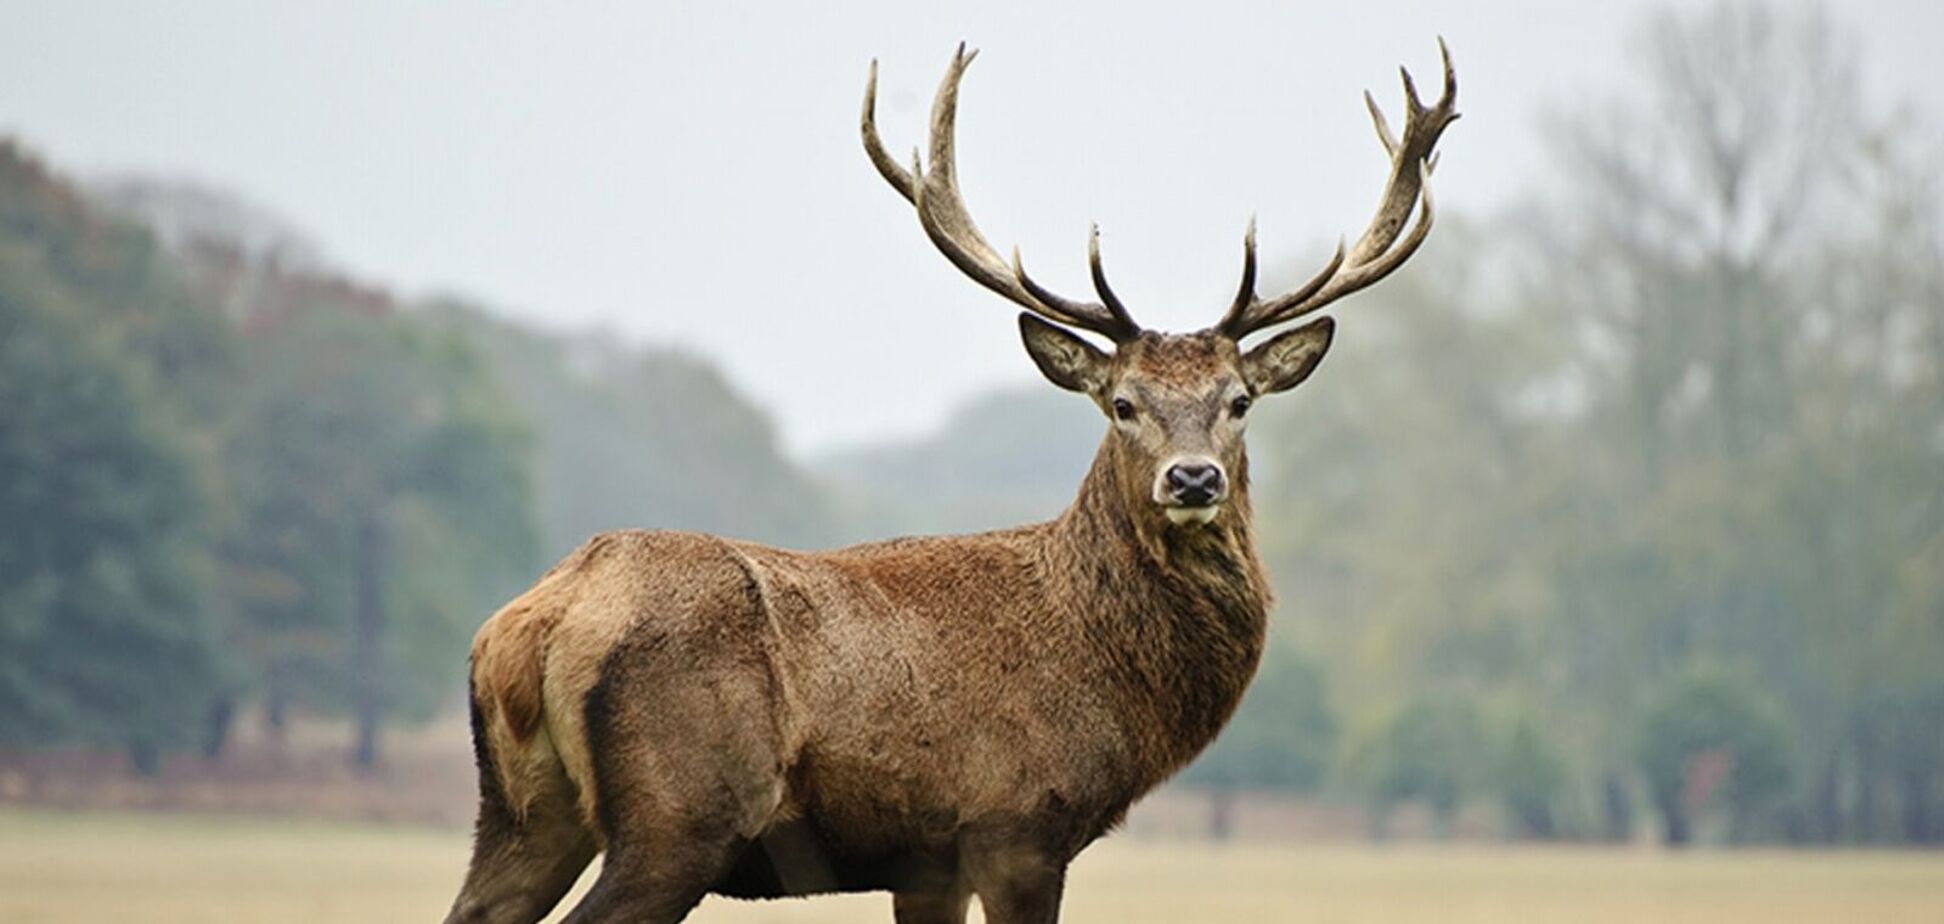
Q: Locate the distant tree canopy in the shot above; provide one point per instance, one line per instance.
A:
(107, 374)
(1283, 737)
(234, 476)
(1710, 738)
(388, 509)
(104, 635)
(1005, 458)
(1687, 411)
(1528, 773)
(630, 437)
(1430, 751)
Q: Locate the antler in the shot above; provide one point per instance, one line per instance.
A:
(942, 213)
(1374, 255)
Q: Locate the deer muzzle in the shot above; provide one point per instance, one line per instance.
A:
(1191, 490)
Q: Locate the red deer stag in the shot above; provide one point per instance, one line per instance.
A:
(936, 717)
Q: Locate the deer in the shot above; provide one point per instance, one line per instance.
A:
(941, 718)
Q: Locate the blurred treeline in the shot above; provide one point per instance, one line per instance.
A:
(1621, 510)
(230, 476)
(1631, 502)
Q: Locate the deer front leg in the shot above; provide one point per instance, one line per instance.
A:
(1017, 884)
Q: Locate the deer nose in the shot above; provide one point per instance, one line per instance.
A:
(1195, 484)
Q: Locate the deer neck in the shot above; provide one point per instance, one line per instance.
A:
(1175, 614)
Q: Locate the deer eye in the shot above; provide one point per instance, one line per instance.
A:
(1239, 406)
(1123, 409)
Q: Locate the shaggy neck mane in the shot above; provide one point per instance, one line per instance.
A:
(1176, 614)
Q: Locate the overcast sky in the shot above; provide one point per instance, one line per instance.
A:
(692, 173)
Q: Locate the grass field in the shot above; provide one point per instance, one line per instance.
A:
(144, 869)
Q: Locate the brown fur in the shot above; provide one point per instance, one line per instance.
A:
(508, 656)
(938, 717)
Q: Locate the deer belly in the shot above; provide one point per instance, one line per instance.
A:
(797, 857)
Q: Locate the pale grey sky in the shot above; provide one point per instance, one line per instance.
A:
(692, 173)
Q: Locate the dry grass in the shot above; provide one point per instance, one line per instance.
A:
(145, 869)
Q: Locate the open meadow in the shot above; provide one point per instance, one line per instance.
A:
(60, 868)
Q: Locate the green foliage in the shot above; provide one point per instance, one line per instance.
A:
(1432, 750)
(1007, 457)
(629, 438)
(325, 494)
(1709, 738)
(105, 632)
(1282, 736)
(1703, 424)
(1904, 727)
(1529, 775)
(388, 482)
(193, 515)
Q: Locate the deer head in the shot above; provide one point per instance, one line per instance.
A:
(1177, 402)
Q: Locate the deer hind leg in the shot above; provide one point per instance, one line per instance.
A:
(687, 773)
(674, 832)
(942, 906)
(522, 864)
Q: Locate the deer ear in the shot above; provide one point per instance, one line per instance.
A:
(1064, 358)
(1284, 361)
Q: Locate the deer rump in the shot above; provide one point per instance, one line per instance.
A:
(845, 719)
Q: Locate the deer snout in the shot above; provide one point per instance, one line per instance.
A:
(1195, 483)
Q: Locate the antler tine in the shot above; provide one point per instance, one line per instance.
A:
(1047, 303)
(1246, 314)
(1383, 125)
(1107, 297)
(1245, 294)
(1337, 281)
(899, 179)
(942, 213)
(1378, 252)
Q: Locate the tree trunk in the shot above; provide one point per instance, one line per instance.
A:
(145, 758)
(276, 720)
(1828, 825)
(1867, 829)
(216, 734)
(1380, 821)
(1221, 813)
(1677, 830)
(1917, 803)
(1619, 809)
(1678, 833)
(1444, 818)
(1536, 821)
(367, 643)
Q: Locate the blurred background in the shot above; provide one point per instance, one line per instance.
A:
(1613, 524)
